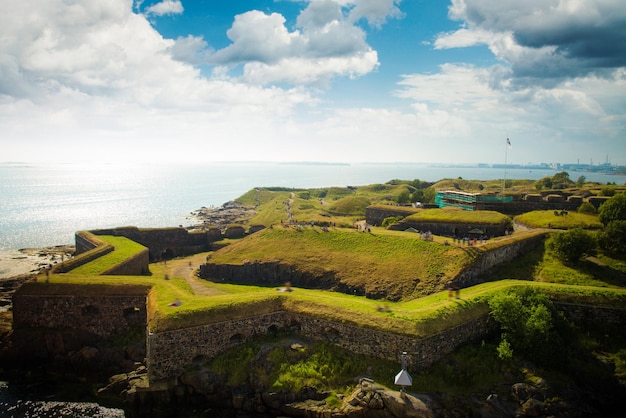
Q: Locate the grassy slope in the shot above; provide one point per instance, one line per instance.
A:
(397, 264)
(459, 215)
(547, 219)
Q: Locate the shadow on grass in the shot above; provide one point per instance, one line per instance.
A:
(599, 271)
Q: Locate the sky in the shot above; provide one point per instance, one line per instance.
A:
(313, 80)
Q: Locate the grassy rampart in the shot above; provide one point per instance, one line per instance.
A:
(123, 249)
(101, 248)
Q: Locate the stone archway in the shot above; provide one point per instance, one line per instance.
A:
(236, 339)
(272, 330)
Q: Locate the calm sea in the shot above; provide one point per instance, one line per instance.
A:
(44, 204)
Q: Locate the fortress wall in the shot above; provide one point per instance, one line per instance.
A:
(376, 215)
(169, 352)
(49, 325)
(101, 315)
(136, 265)
(172, 242)
(85, 241)
(584, 313)
(45, 326)
(488, 259)
(88, 248)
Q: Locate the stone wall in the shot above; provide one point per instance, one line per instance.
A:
(101, 315)
(273, 273)
(487, 260)
(583, 313)
(165, 242)
(170, 352)
(136, 265)
(375, 215)
(56, 324)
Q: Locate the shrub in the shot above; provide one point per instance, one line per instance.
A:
(531, 325)
(587, 207)
(404, 197)
(613, 237)
(572, 244)
(391, 220)
(614, 209)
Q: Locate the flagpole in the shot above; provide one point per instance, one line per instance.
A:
(506, 149)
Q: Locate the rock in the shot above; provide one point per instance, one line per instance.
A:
(116, 385)
(533, 408)
(523, 391)
(405, 405)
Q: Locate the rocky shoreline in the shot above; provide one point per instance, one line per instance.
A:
(221, 216)
(27, 261)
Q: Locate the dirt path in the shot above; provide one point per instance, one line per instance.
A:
(186, 268)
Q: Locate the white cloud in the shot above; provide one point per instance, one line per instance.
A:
(376, 12)
(463, 38)
(94, 80)
(97, 76)
(550, 40)
(324, 45)
(574, 113)
(166, 7)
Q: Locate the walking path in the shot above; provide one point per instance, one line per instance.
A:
(186, 268)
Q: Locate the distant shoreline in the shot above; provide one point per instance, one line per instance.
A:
(26, 261)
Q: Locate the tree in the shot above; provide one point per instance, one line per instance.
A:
(417, 196)
(429, 195)
(561, 180)
(404, 197)
(543, 183)
(612, 238)
(571, 245)
(614, 209)
(530, 324)
(581, 181)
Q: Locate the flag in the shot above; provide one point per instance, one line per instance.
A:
(508, 142)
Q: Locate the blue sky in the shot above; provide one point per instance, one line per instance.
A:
(313, 80)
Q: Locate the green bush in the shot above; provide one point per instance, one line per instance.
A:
(587, 207)
(404, 197)
(613, 237)
(531, 326)
(614, 209)
(391, 220)
(572, 244)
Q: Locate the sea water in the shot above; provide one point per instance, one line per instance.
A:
(45, 204)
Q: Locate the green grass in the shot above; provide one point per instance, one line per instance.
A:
(299, 363)
(547, 219)
(541, 265)
(379, 263)
(124, 248)
(460, 216)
